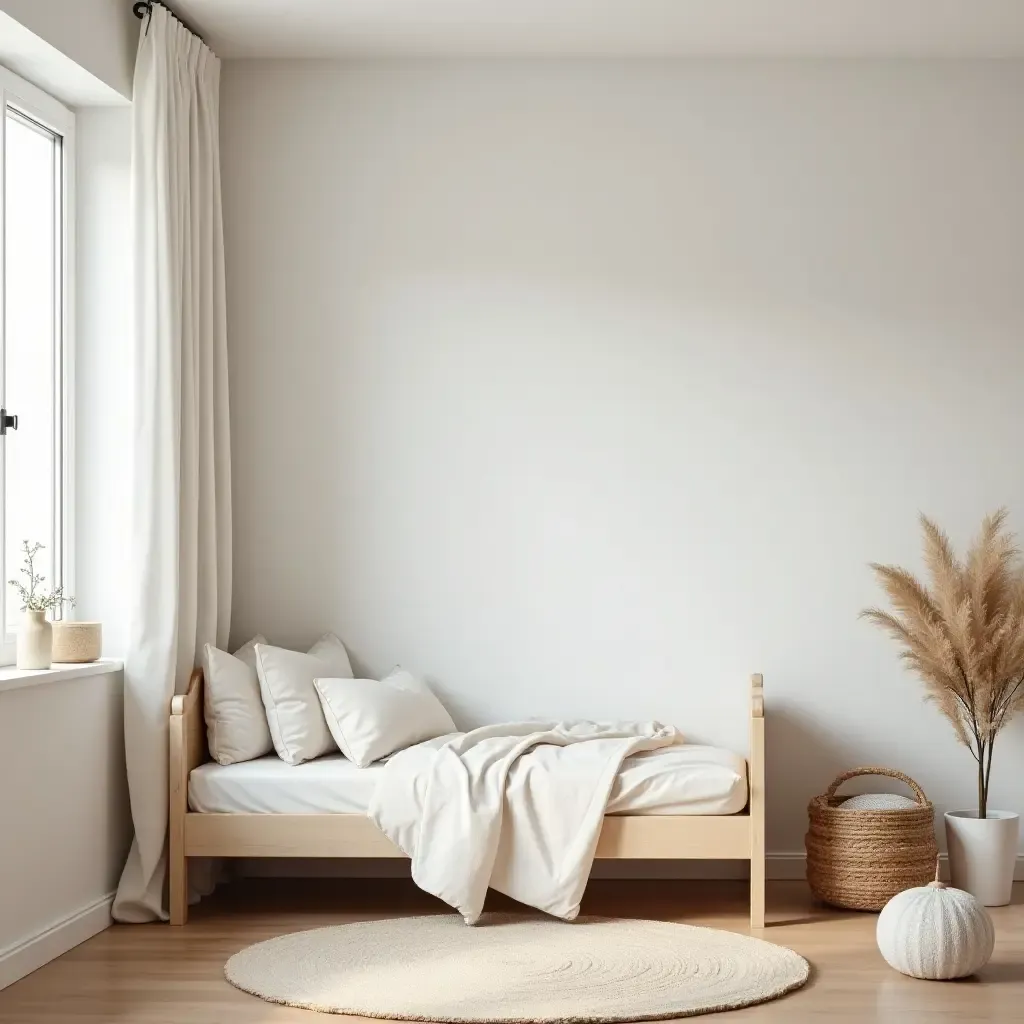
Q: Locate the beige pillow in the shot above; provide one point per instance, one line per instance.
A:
(370, 719)
(236, 724)
(296, 721)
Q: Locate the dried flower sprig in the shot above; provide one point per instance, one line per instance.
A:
(964, 636)
(33, 599)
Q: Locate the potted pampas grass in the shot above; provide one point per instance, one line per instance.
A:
(964, 636)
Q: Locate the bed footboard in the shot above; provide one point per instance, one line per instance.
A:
(757, 801)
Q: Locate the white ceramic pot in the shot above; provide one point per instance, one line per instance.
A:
(35, 641)
(983, 853)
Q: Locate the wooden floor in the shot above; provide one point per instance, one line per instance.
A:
(154, 974)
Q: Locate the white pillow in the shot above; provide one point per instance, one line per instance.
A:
(236, 724)
(296, 722)
(370, 720)
(877, 802)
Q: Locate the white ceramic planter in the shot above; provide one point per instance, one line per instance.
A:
(983, 853)
(35, 641)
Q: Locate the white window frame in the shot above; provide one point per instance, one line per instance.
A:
(52, 114)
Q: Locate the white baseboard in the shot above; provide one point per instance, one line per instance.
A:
(786, 867)
(794, 866)
(780, 867)
(24, 957)
(320, 867)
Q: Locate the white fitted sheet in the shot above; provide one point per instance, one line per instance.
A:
(685, 779)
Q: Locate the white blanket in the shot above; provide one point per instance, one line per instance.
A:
(517, 807)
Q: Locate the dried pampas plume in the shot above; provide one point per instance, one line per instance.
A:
(963, 634)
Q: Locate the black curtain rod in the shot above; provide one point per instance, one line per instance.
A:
(144, 8)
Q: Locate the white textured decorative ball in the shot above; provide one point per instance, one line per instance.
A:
(935, 932)
(877, 802)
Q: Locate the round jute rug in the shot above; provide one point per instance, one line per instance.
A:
(516, 969)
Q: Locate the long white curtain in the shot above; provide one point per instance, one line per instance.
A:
(181, 542)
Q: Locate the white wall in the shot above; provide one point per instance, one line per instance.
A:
(100, 36)
(103, 370)
(64, 808)
(588, 389)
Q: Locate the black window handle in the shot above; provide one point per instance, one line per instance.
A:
(7, 422)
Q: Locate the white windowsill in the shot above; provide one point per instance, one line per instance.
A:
(12, 678)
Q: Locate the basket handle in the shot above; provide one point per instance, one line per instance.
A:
(889, 772)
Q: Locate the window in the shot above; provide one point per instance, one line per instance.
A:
(36, 234)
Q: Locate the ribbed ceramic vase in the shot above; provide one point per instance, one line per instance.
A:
(983, 854)
(35, 641)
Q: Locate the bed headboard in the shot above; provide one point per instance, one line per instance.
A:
(188, 729)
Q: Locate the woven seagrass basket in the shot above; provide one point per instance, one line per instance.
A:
(860, 859)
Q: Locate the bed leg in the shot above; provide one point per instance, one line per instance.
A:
(178, 885)
(757, 803)
(177, 862)
(757, 873)
(177, 808)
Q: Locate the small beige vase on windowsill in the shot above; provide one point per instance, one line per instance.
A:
(35, 641)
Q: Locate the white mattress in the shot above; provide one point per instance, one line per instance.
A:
(685, 779)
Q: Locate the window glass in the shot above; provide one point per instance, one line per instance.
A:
(33, 205)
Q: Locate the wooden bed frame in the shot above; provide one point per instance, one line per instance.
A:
(633, 837)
